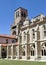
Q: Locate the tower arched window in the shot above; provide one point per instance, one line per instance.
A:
(22, 14)
(17, 14)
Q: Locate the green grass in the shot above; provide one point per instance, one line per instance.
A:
(14, 62)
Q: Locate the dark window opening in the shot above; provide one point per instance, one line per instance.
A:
(13, 41)
(13, 27)
(14, 33)
(45, 44)
(45, 52)
(17, 14)
(33, 33)
(23, 53)
(42, 53)
(22, 14)
(6, 40)
(34, 45)
(16, 40)
(3, 53)
(32, 52)
(44, 33)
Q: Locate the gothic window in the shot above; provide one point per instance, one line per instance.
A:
(32, 52)
(44, 27)
(33, 49)
(34, 45)
(43, 52)
(33, 33)
(24, 36)
(23, 53)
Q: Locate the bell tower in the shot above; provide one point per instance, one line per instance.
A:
(19, 17)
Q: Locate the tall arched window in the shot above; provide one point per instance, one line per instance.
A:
(24, 36)
(44, 27)
(32, 49)
(43, 52)
(32, 52)
(33, 33)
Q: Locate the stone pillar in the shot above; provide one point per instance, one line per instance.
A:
(11, 51)
(19, 53)
(31, 36)
(0, 51)
(37, 45)
(14, 51)
(28, 51)
(7, 51)
(28, 46)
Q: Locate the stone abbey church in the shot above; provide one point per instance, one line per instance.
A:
(28, 38)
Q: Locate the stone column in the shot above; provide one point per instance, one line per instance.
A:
(20, 51)
(14, 51)
(11, 51)
(27, 49)
(7, 51)
(28, 46)
(19, 48)
(0, 51)
(37, 45)
(31, 36)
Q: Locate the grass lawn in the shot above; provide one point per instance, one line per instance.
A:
(15, 62)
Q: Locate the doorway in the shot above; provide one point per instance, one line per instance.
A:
(3, 53)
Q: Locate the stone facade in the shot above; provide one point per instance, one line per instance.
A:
(30, 36)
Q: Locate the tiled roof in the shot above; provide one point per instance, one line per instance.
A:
(7, 36)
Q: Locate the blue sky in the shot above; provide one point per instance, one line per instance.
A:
(7, 8)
